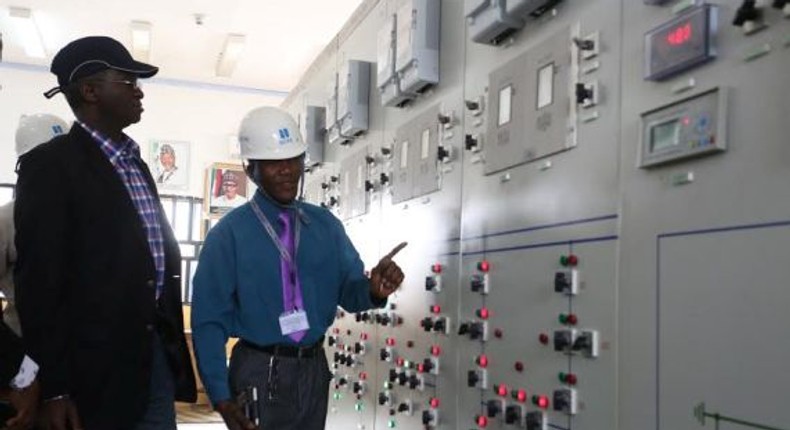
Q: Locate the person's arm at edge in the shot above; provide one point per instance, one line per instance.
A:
(41, 215)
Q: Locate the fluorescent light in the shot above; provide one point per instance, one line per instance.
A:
(141, 40)
(229, 57)
(28, 31)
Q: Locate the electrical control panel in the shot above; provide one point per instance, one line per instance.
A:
(529, 105)
(353, 91)
(551, 281)
(489, 22)
(417, 45)
(314, 134)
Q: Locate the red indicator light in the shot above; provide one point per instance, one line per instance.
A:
(484, 266)
(390, 341)
(680, 35)
(400, 362)
(543, 402)
(483, 313)
(436, 268)
(570, 379)
(502, 390)
(436, 309)
(336, 330)
(420, 368)
(573, 260)
(521, 396)
(482, 361)
(363, 376)
(436, 350)
(544, 338)
(686, 120)
(482, 421)
(434, 403)
(572, 319)
(363, 336)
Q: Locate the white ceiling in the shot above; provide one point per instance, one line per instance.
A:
(283, 36)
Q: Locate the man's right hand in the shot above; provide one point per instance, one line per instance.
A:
(61, 414)
(233, 416)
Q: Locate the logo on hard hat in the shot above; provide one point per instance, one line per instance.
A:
(285, 136)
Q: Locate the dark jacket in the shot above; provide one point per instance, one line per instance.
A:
(85, 283)
(11, 355)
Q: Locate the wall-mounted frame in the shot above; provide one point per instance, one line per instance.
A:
(226, 187)
(170, 164)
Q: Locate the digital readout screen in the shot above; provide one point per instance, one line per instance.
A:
(682, 43)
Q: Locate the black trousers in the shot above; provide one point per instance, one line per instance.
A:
(298, 394)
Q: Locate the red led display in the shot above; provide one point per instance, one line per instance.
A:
(679, 35)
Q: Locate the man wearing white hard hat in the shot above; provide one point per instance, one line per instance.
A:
(273, 272)
(17, 370)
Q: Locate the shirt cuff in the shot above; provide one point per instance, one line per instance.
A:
(27, 374)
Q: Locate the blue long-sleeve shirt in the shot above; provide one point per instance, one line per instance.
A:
(238, 290)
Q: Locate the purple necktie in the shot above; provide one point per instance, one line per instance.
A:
(292, 291)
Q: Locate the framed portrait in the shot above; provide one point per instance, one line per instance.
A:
(170, 164)
(226, 188)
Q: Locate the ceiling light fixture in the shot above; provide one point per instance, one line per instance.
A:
(230, 55)
(141, 40)
(28, 31)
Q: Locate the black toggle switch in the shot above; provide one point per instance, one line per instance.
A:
(470, 142)
(472, 378)
(493, 408)
(430, 283)
(383, 399)
(513, 414)
(369, 186)
(414, 382)
(384, 354)
(384, 179)
(393, 375)
(427, 324)
(427, 365)
(463, 329)
(747, 12)
(584, 44)
(444, 119)
(442, 153)
(583, 94)
(440, 325)
(472, 105)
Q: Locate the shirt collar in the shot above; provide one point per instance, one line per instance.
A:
(272, 209)
(113, 150)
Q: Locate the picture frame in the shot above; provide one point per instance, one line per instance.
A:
(226, 187)
(170, 162)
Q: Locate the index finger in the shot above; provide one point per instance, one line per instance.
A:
(396, 250)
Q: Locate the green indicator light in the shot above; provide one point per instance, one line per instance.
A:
(561, 375)
(359, 407)
(337, 396)
(564, 261)
(391, 424)
(563, 319)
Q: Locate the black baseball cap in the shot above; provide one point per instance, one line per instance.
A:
(90, 55)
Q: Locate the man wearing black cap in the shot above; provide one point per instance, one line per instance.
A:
(98, 269)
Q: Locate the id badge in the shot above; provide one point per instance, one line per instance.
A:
(291, 322)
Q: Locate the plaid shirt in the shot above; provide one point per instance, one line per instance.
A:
(125, 158)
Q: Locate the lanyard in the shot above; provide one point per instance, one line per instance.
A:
(284, 254)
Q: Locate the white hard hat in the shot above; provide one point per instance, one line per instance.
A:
(269, 133)
(36, 129)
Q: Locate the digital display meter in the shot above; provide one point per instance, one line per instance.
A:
(686, 128)
(682, 43)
